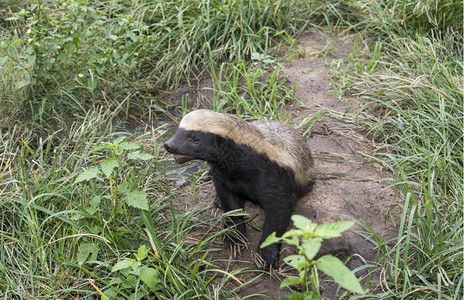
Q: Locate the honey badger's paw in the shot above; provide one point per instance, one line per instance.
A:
(269, 256)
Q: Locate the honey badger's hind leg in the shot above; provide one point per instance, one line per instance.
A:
(278, 215)
(230, 201)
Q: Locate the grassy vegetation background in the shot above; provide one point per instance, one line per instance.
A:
(75, 73)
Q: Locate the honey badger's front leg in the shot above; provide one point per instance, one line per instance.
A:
(230, 201)
(278, 215)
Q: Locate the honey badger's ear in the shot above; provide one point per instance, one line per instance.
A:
(219, 142)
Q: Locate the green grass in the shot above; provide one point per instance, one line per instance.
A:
(252, 92)
(80, 55)
(406, 70)
(73, 73)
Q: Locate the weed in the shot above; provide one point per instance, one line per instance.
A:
(308, 239)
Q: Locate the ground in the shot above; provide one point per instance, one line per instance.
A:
(348, 185)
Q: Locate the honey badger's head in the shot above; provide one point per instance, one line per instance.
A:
(190, 144)
(198, 136)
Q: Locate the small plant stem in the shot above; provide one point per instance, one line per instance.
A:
(304, 286)
(314, 280)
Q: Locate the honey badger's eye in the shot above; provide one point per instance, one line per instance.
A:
(194, 140)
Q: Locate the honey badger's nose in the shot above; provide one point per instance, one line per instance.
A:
(169, 147)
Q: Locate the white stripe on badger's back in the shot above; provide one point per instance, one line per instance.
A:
(261, 136)
(287, 138)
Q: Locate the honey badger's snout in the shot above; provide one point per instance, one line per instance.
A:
(168, 145)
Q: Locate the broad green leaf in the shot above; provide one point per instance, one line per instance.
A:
(326, 233)
(129, 146)
(296, 261)
(142, 253)
(334, 229)
(92, 83)
(294, 240)
(89, 174)
(95, 202)
(110, 293)
(126, 263)
(303, 223)
(310, 248)
(140, 155)
(137, 199)
(271, 239)
(289, 281)
(90, 210)
(307, 295)
(108, 164)
(3, 60)
(150, 277)
(119, 140)
(292, 232)
(86, 250)
(115, 280)
(103, 146)
(332, 266)
(21, 84)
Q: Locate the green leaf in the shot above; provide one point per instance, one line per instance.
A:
(103, 146)
(271, 239)
(334, 229)
(118, 140)
(137, 199)
(95, 202)
(150, 277)
(3, 60)
(92, 83)
(303, 223)
(126, 263)
(296, 261)
(292, 233)
(22, 84)
(140, 155)
(332, 266)
(310, 248)
(289, 281)
(108, 165)
(85, 250)
(89, 174)
(294, 240)
(142, 253)
(307, 295)
(129, 146)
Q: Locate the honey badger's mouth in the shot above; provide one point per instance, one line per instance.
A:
(180, 158)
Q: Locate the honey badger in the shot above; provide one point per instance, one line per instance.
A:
(265, 162)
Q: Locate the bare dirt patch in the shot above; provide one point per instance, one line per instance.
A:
(348, 184)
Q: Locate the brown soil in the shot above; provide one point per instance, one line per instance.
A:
(348, 185)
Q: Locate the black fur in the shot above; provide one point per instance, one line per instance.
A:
(241, 174)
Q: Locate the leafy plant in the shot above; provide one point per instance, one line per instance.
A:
(133, 272)
(118, 153)
(308, 238)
